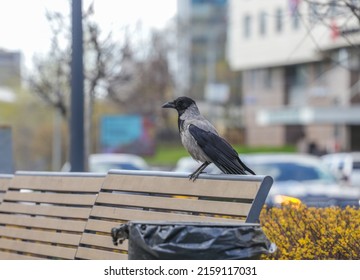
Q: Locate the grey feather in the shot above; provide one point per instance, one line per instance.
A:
(202, 141)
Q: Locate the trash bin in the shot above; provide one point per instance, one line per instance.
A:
(202, 241)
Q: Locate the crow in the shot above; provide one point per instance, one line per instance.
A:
(201, 140)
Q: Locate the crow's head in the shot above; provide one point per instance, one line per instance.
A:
(181, 104)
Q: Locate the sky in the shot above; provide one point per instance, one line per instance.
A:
(23, 25)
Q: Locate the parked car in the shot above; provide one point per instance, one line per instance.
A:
(105, 162)
(345, 166)
(189, 165)
(302, 179)
(298, 178)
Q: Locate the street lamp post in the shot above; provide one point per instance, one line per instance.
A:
(77, 151)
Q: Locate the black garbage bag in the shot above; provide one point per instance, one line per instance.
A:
(202, 241)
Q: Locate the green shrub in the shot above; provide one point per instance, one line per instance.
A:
(312, 233)
(169, 154)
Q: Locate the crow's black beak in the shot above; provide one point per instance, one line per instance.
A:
(168, 105)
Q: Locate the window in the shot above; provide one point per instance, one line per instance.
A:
(268, 78)
(253, 78)
(301, 76)
(319, 69)
(247, 26)
(296, 20)
(279, 20)
(262, 23)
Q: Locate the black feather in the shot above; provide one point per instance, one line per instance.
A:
(219, 151)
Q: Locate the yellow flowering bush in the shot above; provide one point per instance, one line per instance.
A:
(311, 233)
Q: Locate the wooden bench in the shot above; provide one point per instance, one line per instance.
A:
(4, 184)
(43, 215)
(165, 196)
(70, 215)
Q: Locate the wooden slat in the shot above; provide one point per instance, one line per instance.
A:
(43, 222)
(101, 240)
(104, 226)
(56, 198)
(192, 205)
(40, 235)
(57, 183)
(139, 215)
(182, 186)
(4, 184)
(95, 254)
(44, 215)
(46, 210)
(4, 255)
(45, 250)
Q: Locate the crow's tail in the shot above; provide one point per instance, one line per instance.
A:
(246, 168)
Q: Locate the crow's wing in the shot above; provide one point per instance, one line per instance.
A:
(219, 151)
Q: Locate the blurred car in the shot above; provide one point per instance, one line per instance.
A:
(189, 165)
(345, 166)
(301, 179)
(104, 162)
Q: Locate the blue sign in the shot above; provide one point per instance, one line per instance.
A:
(127, 134)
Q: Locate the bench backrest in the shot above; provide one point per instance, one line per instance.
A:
(164, 196)
(4, 184)
(43, 215)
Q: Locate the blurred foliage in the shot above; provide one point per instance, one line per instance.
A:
(307, 233)
(130, 74)
(264, 149)
(31, 124)
(132, 71)
(167, 155)
(170, 154)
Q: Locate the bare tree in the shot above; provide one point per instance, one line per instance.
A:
(342, 17)
(132, 73)
(50, 79)
(50, 76)
(326, 11)
(144, 79)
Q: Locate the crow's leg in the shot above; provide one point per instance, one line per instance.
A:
(195, 175)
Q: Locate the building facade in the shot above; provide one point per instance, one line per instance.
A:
(300, 65)
(203, 72)
(10, 74)
(10, 68)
